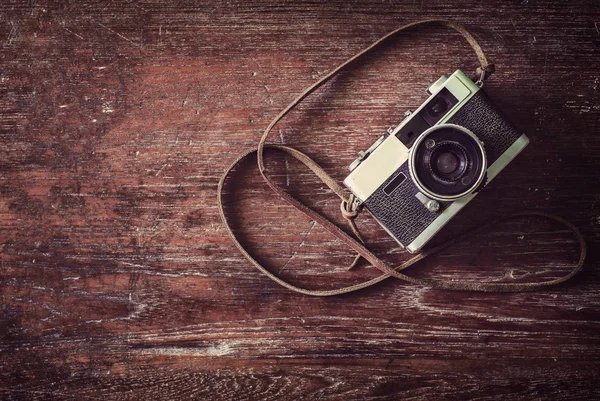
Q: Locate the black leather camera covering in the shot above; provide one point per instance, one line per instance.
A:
(401, 213)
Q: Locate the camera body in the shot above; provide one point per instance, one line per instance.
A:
(417, 176)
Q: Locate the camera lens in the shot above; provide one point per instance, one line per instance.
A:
(447, 162)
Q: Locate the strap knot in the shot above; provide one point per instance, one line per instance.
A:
(484, 72)
(350, 208)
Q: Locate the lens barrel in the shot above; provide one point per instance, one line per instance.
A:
(447, 162)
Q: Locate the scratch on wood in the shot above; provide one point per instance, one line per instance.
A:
(161, 169)
(137, 6)
(70, 31)
(312, 224)
(119, 35)
(287, 175)
(216, 350)
(14, 31)
(187, 93)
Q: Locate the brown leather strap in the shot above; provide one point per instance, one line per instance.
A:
(483, 71)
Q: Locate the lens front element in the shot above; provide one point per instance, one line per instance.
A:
(447, 162)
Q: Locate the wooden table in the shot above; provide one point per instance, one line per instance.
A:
(118, 280)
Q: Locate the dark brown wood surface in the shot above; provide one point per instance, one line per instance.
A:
(117, 278)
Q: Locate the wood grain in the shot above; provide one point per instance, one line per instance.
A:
(118, 281)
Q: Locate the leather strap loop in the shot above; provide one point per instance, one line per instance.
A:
(483, 73)
(350, 212)
(349, 208)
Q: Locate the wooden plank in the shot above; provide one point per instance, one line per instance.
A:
(118, 280)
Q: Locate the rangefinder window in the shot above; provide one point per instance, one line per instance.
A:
(438, 106)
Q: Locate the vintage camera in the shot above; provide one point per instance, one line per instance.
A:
(417, 176)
